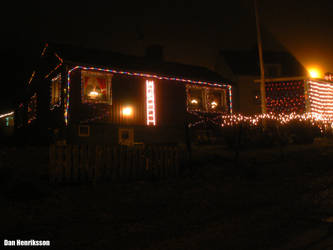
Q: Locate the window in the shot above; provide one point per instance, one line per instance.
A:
(56, 91)
(216, 100)
(195, 99)
(206, 99)
(96, 87)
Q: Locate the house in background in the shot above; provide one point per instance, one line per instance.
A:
(242, 67)
(6, 124)
(84, 95)
(300, 95)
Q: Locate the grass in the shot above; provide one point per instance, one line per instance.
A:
(264, 202)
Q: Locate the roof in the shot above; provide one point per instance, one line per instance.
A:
(77, 55)
(247, 62)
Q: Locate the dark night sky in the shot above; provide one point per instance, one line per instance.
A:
(191, 31)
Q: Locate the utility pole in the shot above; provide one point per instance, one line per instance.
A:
(262, 70)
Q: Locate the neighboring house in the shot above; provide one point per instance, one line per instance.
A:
(242, 67)
(85, 95)
(300, 95)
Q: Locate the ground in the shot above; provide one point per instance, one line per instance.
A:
(270, 199)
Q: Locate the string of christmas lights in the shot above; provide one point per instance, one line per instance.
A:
(285, 97)
(7, 114)
(321, 98)
(321, 121)
(57, 67)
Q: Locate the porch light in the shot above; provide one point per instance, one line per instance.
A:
(127, 111)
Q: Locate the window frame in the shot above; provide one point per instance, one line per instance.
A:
(205, 97)
(108, 81)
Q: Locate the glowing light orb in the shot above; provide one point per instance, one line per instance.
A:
(314, 73)
(93, 94)
(127, 111)
(194, 101)
(214, 104)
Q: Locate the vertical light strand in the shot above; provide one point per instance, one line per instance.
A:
(150, 103)
(230, 98)
(67, 96)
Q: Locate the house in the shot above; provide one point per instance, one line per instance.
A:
(82, 95)
(242, 67)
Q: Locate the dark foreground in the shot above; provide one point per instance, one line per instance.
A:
(269, 200)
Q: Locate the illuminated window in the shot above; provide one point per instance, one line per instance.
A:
(206, 99)
(96, 87)
(216, 100)
(195, 99)
(56, 91)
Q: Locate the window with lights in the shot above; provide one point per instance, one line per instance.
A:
(195, 99)
(96, 87)
(216, 100)
(205, 99)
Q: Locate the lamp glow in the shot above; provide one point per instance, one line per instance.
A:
(93, 94)
(194, 101)
(127, 111)
(214, 104)
(314, 73)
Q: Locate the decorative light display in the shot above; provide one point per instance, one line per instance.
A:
(6, 115)
(32, 77)
(300, 96)
(230, 99)
(150, 103)
(32, 108)
(34, 72)
(44, 49)
(285, 96)
(320, 95)
(53, 70)
(322, 122)
(219, 85)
